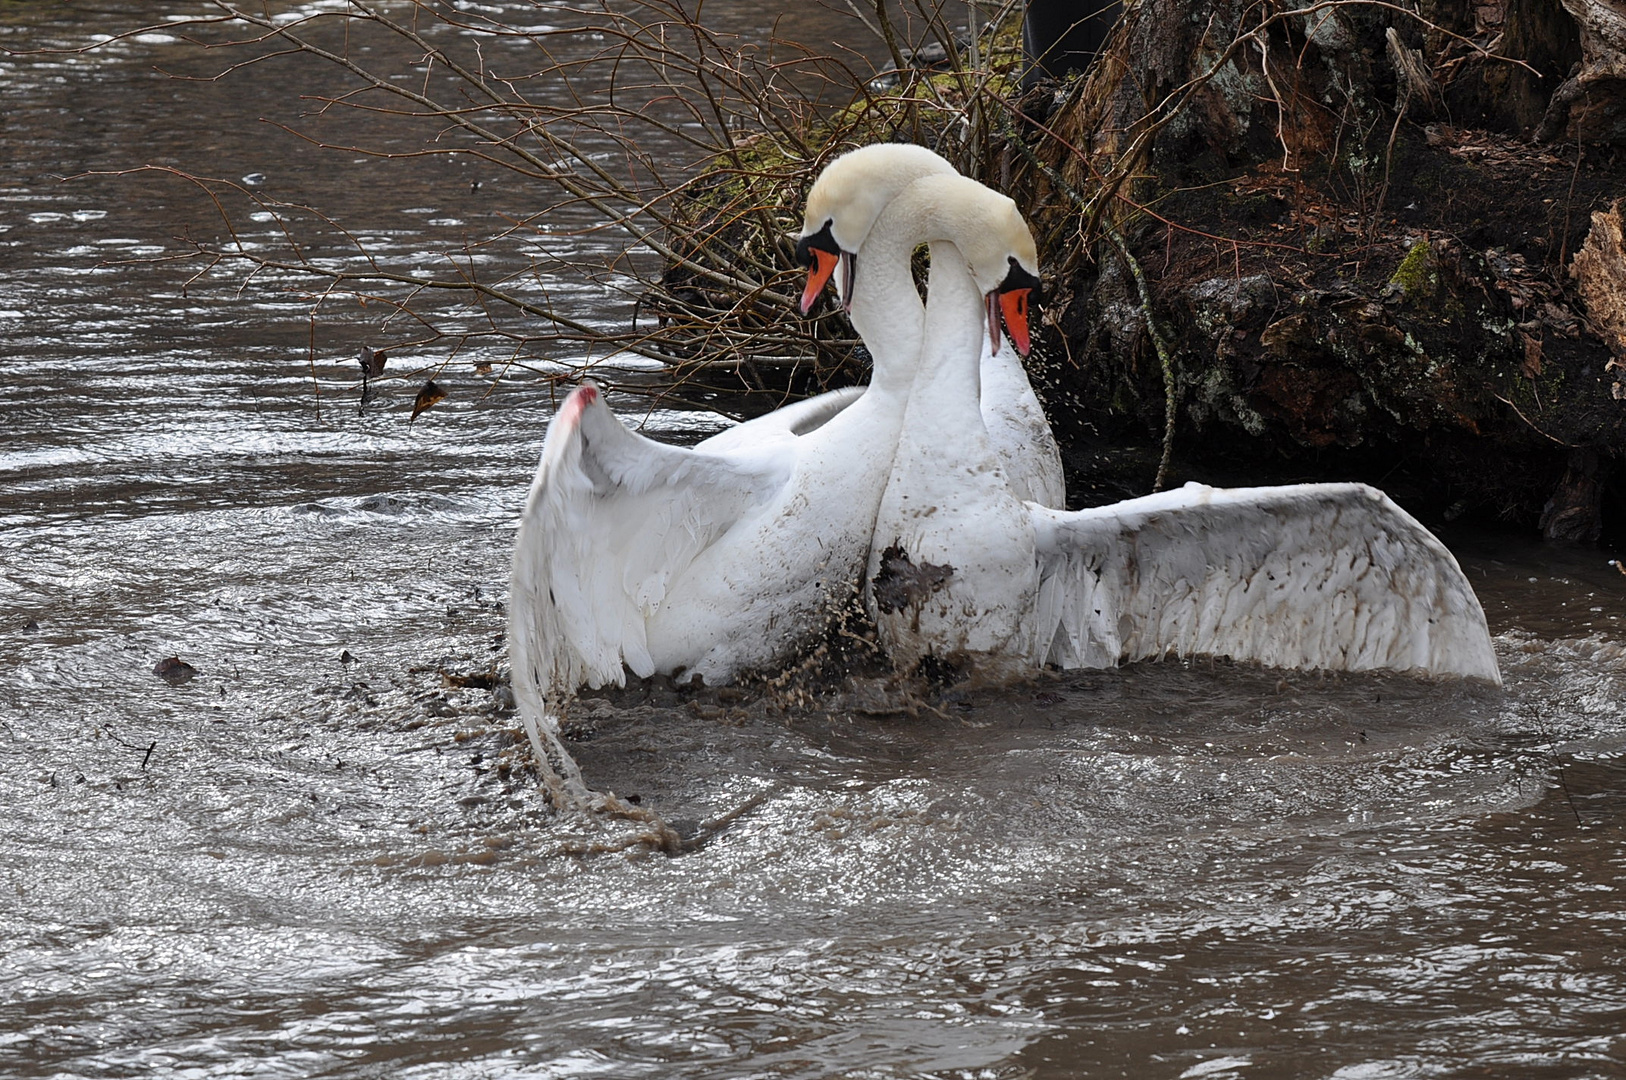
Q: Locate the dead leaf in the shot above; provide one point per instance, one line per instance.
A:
(1285, 336)
(1532, 356)
(1561, 319)
(428, 397)
(372, 366)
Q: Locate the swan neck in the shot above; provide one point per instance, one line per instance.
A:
(886, 310)
(951, 345)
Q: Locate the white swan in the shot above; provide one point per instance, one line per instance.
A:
(716, 559)
(842, 209)
(1332, 576)
(633, 554)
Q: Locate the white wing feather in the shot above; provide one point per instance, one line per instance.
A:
(1332, 576)
(798, 418)
(611, 519)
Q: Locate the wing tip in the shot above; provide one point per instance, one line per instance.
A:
(580, 399)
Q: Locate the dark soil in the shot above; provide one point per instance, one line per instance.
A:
(1343, 294)
(1430, 341)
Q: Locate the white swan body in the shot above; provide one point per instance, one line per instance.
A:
(953, 571)
(711, 560)
(689, 561)
(1018, 431)
(1330, 576)
(847, 200)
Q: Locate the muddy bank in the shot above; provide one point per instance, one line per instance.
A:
(1355, 246)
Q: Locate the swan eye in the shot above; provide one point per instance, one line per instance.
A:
(820, 255)
(824, 240)
(1019, 278)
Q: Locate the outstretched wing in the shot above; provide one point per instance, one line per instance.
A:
(1332, 576)
(612, 518)
(797, 418)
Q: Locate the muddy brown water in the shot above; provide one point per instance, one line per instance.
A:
(314, 859)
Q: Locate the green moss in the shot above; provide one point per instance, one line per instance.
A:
(1418, 275)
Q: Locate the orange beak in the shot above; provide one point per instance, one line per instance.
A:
(824, 265)
(1013, 305)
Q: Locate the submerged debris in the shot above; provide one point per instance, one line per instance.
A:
(174, 670)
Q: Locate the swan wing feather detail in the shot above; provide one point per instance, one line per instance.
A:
(612, 517)
(1331, 576)
(797, 418)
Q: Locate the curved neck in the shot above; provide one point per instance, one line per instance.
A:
(950, 365)
(886, 310)
(943, 337)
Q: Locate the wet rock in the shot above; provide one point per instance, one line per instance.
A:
(1225, 304)
(174, 670)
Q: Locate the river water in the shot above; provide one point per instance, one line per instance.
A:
(313, 859)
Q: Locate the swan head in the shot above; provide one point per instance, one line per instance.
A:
(994, 240)
(842, 207)
(1010, 303)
